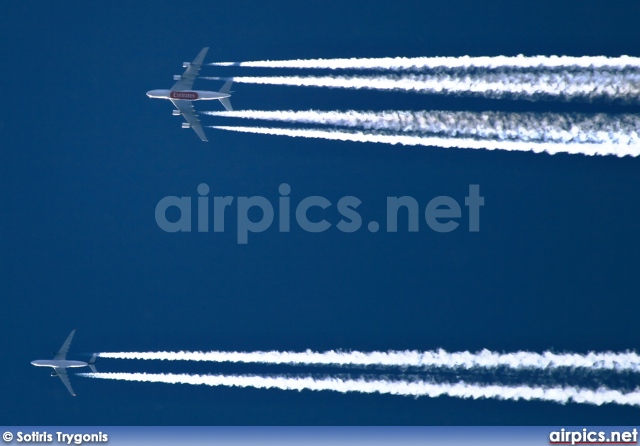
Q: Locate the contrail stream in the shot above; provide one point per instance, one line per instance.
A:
(565, 85)
(628, 361)
(437, 141)
(461, 389)
(565, 128)
(465, 62)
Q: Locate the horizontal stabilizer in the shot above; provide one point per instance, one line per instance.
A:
(226, 88)
(92, 363)
(226, 103)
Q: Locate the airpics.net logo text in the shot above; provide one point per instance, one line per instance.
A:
(256, 214)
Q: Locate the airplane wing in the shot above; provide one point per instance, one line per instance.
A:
(62, 373)
(189, 113)
(190, 74)
(62, 353)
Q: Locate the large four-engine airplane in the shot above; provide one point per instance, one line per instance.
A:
(182, 95)
(60, 363)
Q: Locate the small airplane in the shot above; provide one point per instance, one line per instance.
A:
(60, 364)
(182, 95)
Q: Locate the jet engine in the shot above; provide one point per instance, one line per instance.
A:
(176, 113)
(177, 77)
(186, 125)
(186, 64)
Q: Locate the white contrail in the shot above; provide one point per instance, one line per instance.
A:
(419, 63)
(527, 85)
(560, 395)
(409, 358)
(462, 143)
(529, 127)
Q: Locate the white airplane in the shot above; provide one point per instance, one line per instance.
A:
(182, 95)
(60, 363)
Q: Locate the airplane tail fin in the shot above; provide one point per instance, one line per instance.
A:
(226, 88)
(92, 363)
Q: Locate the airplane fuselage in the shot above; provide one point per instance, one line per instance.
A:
(190, 95)
(61, 363)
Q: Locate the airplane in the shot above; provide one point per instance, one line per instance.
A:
(60, 364)
(182, 95)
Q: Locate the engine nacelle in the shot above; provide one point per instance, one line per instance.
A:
(186, 64)
(177, 77)
(186, 125)
(176, 113)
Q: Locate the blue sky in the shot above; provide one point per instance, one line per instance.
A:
(86, 156)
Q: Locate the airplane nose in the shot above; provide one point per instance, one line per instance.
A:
(149, 93)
